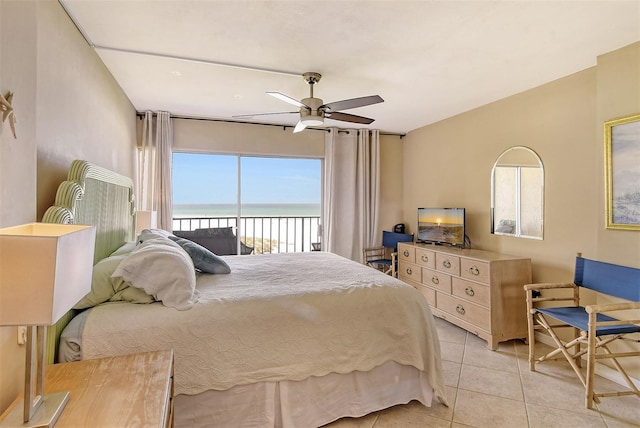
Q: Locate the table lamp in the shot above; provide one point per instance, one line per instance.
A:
(45, 269)
(146, 220)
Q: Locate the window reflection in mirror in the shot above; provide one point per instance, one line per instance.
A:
(517, 194)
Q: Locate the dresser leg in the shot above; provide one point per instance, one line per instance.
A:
(493, 344)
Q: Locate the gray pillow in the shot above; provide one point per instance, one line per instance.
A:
(203, 259)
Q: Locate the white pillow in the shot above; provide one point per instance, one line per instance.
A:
(106, 288)
(147, 234)
(125, 248)
(163, 270)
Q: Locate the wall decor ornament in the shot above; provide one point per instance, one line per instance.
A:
(7, 111)
(622, 172)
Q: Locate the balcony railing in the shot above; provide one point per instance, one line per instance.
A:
(286, 234)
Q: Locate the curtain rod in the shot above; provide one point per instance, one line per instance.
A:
(141, 115)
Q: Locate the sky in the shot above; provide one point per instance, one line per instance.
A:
(211, 179)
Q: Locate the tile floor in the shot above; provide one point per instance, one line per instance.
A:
(496, 389)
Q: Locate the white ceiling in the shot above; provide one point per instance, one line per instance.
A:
(429, 60)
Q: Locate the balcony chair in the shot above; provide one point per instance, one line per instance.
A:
(591, 326)
(385, 257)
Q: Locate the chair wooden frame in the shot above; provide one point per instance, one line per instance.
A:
(591, 325)
(385, 257)
(376, 257)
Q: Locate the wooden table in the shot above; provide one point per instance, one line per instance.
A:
(129, 390)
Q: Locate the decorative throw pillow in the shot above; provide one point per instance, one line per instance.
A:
(203, 259)
(163, 270)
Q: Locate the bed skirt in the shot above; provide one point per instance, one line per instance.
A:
(312, 402)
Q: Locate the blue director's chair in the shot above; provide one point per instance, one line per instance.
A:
(594, 326)
(385, 257)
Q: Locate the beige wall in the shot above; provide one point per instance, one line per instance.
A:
(391, 188)
(449, 164)
(68, 106)
(232, 138)
(81, 111)
(618, 95)
(17, 159)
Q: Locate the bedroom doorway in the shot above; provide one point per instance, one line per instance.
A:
(272, 203)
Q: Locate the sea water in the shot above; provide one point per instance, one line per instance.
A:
(248, 210)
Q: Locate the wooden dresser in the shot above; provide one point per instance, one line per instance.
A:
(124, 391)
(480, 291)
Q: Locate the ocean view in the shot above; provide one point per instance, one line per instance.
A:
(248, 210)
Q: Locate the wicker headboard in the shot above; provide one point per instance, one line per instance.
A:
(96, 196)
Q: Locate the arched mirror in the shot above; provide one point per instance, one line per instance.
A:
(517, 194)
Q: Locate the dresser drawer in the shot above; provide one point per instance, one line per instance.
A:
(428, 293)
(471, 291)
(409, 271)
(435, 279)
(425, 258)
(474, 270)
(464, 310)
(407, 253)
(448, 263)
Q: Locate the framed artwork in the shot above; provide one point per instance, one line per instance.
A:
(622, 172)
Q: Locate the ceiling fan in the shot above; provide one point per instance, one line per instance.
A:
(313, 111)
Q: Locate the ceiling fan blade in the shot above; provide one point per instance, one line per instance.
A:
(346, 117)
(266, 114)
(299, 127)
(352, 103)
(287, 99)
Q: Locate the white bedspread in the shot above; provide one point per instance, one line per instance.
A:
(277, 317)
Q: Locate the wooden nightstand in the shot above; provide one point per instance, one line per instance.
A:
(129, 390)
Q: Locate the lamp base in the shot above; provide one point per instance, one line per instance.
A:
(45, 417)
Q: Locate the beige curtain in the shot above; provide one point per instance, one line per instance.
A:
(154, 168)
(351, 192)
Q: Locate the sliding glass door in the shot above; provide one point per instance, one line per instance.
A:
(272, 204)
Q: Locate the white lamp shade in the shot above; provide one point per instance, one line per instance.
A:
(45, 269)
(146, 220)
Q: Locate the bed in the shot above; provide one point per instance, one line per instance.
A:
(291, 340)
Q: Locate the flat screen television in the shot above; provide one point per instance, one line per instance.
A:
(443, 226)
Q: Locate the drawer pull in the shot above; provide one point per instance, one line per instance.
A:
(424, 258)
(409, 271)
(435, 280)
(460, 309)
(469, 291)
(474, 270)
(406, 253)
(446, 264)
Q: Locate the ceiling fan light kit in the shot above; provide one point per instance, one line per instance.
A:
(313, 111)
(310, 114)
(312, 120)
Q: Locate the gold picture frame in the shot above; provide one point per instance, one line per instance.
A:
(622, 172)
